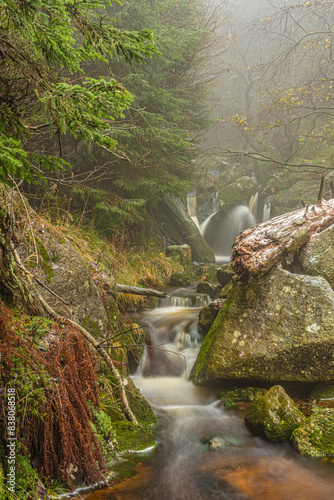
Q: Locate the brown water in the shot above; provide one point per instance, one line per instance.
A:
(237, 465)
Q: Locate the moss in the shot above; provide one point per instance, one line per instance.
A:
(91, 326)
(140, 407)
(316, 436)
(132, 438)
(242, 393)
(198, 371)
(274, 415)
(182, 279)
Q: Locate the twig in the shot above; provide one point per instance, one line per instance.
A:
(322, 182)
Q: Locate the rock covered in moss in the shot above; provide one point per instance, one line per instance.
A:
(224, 274)
(208, 314)
(132, 437)
(182, 279)
(274, 415)
(243, 393)
(278, 327)
(207, 272)
(63, 270)
(208, 289)
(315, 437)
(180, 254)
(317, 256)
(323, 391)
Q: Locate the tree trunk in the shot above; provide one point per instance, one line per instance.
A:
(141, 291)
(261, 247)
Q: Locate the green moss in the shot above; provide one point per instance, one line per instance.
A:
(242, 393)
(198, 372)
(316, 436)
(274, 415)
(91, 326)
(132, 438)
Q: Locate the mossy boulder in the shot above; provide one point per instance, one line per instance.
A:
(181, 254)
(315, 437)
(207, 272)
(208, 314)
(63, 270)
(275, 328)
(274, 415)
(248, 393)
(131, 437)
(225, 274)
(208, 288)
(183, 279)
(317, 257)
(323, 391)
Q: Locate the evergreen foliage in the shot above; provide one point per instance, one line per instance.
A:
(43, 43)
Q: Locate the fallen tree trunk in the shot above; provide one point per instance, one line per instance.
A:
(141, 291)
(259, 248)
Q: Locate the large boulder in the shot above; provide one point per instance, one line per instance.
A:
(208, 314)
(63, 270)
(316, 436)
(178, 228)
(274, 415)
(317, 257)
(275, 328)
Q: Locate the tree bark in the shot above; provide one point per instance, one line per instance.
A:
(261, 247)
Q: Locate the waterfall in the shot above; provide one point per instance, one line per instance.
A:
(192, 207)
(267, 209)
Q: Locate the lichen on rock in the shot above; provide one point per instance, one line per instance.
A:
(274, 415)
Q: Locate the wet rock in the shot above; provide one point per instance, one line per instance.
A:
(274, 415)
(316, 258)
(207, 315)
(243, 393)
(211, 290)
(315, 437)
(225, 274)
(180, 254)
(238, 192)
(278, 327)
(323, 391)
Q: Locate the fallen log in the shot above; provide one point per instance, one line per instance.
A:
(140, 291)
(259, 248)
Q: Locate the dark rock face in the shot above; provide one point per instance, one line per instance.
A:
(315, 437)
(176, 225)
(274, 415)
(278, 327)
(208, 314)
(225, 274)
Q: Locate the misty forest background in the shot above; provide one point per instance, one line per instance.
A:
(108, 107)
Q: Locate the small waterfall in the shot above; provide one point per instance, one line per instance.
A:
(192, 207)
(267, 209)
(254, 204)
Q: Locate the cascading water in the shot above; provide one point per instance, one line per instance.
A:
(204, 450)
(192, 207)
(220, 229)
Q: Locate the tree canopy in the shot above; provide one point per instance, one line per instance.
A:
(44, 49)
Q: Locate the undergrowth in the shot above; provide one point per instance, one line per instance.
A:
(53, 372)
(114, 258)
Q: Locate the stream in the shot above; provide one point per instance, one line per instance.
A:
(204, 450)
